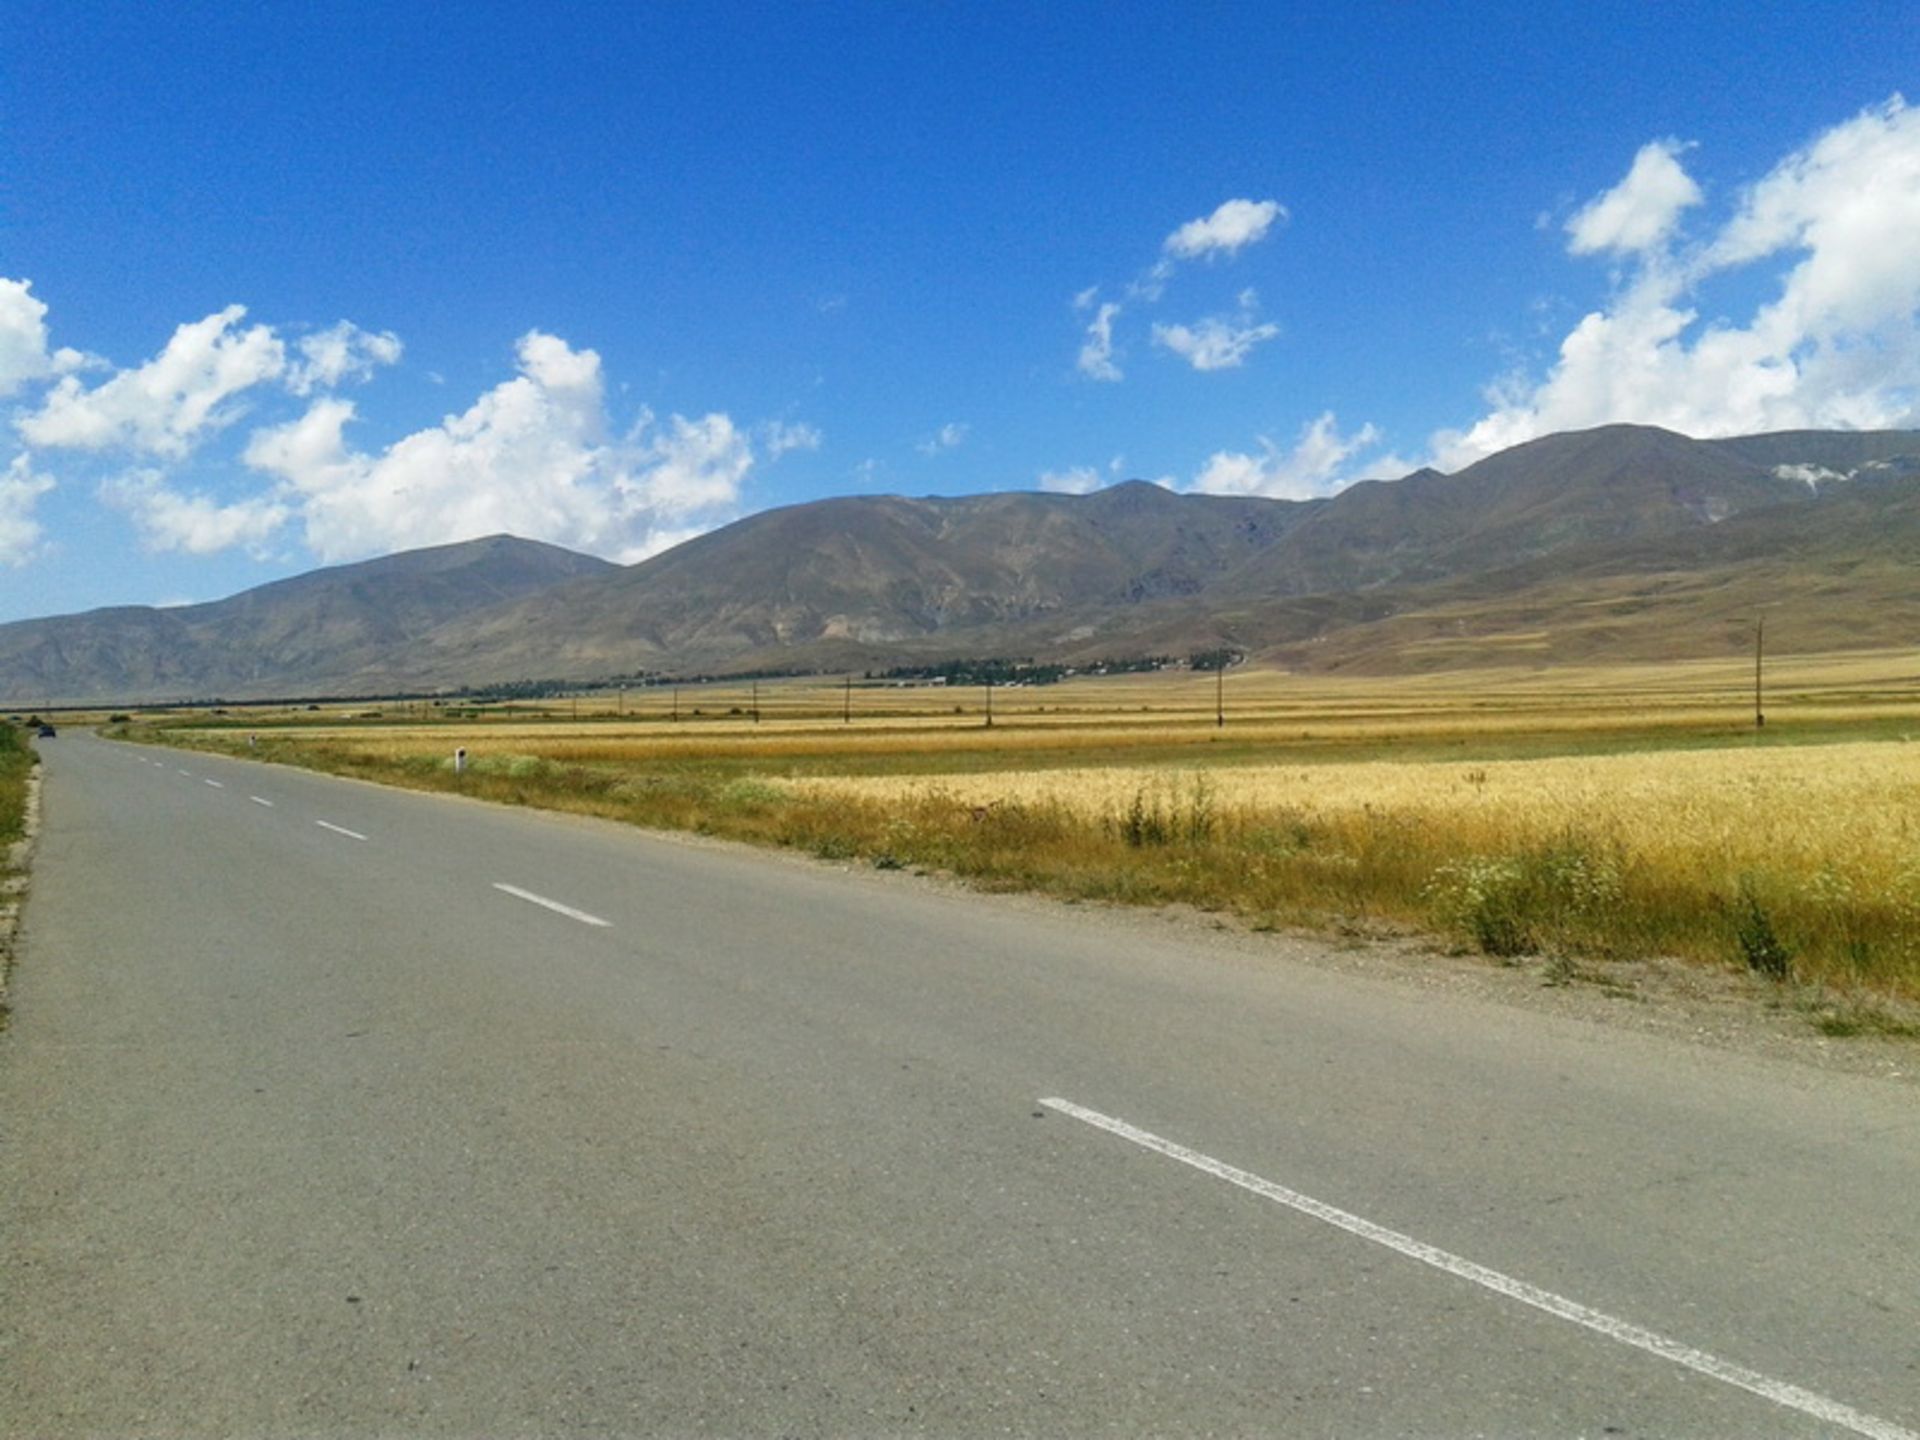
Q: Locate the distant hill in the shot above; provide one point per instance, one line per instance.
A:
(1621, 542)
(312, 634)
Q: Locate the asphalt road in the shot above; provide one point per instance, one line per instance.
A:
(309, 1127)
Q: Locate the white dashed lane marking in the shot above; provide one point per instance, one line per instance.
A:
(554, 905)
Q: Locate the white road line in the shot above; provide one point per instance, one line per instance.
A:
(340, 830)
(214, 783)
(554, 905)
(187, 773)
(258, 801)
(1832, 1412)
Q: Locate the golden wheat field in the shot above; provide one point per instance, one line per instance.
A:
(1844, 814)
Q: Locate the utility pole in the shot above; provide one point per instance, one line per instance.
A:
(989, 702)
(846, 705)
(1220, 697)
(676, 704)
(756, 702)
(1759, 647)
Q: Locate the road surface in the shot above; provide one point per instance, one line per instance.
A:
(331, 1110)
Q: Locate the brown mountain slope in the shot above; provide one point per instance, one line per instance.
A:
(859, 582)
(1834, 572)
(1620, 484)
(1616, 542)
(315, 633)
(856, 580)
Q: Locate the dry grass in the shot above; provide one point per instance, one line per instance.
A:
(1627, 811)
(1675, 849)
(1848, 810)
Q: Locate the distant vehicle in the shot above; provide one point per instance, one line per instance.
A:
(47, 732)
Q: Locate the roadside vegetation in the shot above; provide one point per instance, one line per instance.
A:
(17, 760)
(16, 764)
(1577, 816)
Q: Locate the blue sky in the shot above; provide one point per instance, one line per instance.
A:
(282, 286)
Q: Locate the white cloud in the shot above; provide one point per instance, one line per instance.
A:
(1232, 227)
(1216, 343)
(171, 520)
(693, 466)
(1835, 345)
(1077, 480)
(1315, 465)
(780, 438)
(20, 488)
(1151, 285)
(23, 336)
(1096, 355)
(167, 405)
(343, 352)
(1640, 213)
(532, 456)
(948, 437)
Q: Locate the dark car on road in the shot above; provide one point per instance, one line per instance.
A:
(47, 732)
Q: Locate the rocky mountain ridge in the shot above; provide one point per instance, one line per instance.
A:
(1622, 542)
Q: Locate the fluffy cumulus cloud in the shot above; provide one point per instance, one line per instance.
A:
(1834, 343)
(1640, 212)
(23, 336)
(190, 523)
(193, 389)
(536, 455)
(24, 356)
(677, 471)
(1233, 226)
(1317, 463)
(329, 358)
(533, 456)
(167, 405)
(20, 532)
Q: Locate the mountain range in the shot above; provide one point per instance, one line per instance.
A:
(1620, 543)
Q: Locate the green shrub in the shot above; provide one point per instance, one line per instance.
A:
(1759, 945)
